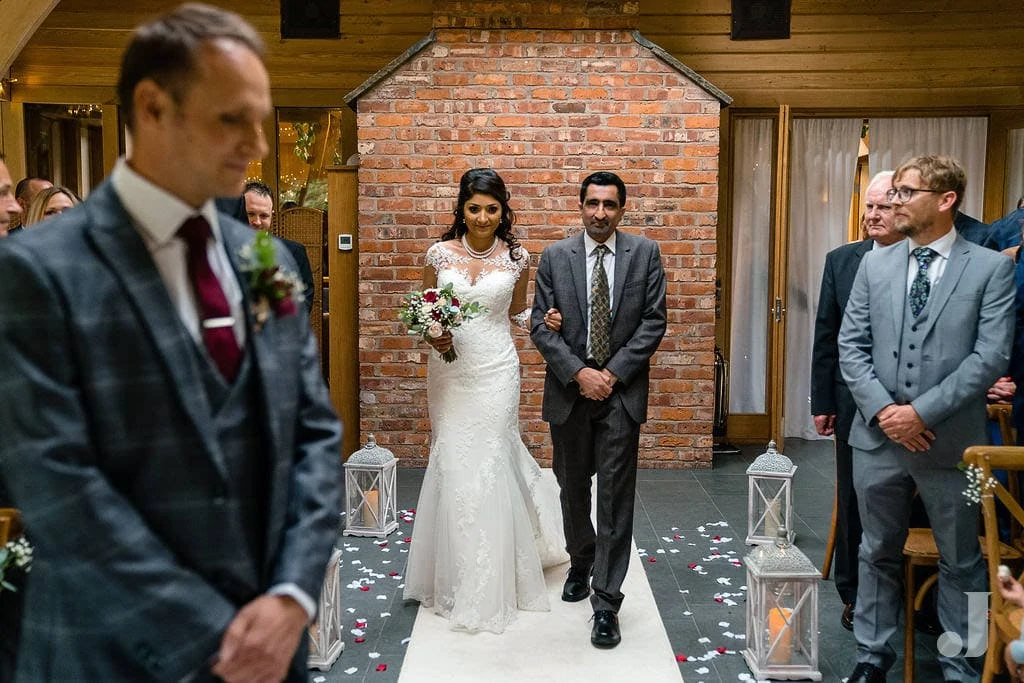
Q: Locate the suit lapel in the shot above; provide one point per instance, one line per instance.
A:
(578, 263)
(120, 246)
(623, 256)
(898, 296)
(261, 343)
(959, 257)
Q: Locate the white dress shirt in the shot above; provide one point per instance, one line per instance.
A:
(158, 215)
(942, 246)
(609, 268)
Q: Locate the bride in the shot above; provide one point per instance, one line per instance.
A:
(486, 524)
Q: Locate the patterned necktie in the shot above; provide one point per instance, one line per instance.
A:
(921, 287)
(218, 326)
(600, 309)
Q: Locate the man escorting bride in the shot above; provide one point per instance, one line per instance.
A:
(487, 524)
(608, 288)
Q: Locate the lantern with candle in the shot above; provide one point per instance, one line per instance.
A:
(782, 612)
(769, 496)
(325, 643)
(371, 508)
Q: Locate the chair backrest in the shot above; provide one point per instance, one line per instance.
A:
(1002, 414)
(988, 459)
(307, 227)
(10, 524)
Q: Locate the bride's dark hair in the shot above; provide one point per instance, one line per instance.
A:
(485, 181)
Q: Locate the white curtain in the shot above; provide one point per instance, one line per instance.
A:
(893, 141)
(753, 159)
(824, 165)
(1014, 188)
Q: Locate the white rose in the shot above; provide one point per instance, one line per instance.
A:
(457, 318)
(435, 330)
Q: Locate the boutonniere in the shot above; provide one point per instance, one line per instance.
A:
(273, 287)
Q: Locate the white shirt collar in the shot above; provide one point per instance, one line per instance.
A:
(157, 213)
(589, 242)
(942, 246)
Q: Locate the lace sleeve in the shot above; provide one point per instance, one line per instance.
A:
(522, 319)
(523, 261)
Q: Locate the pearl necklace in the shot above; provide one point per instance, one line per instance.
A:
(479, 254)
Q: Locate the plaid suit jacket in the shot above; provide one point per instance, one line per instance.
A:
(109, 450)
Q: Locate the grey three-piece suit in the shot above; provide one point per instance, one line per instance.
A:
(941, 362)
(160, 498)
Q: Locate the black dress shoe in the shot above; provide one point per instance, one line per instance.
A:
(847, 618)
(867, 673)
(605, 633)
(577, 585)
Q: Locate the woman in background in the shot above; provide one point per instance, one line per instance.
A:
(50, 202)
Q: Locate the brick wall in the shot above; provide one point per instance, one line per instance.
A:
(545, 108)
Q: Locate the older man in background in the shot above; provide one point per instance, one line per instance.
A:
(831, 403)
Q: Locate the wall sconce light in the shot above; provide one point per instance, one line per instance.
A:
(5, 88)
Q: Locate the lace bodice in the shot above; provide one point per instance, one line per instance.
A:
(486, 525)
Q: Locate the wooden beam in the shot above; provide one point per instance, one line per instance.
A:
(21, 19)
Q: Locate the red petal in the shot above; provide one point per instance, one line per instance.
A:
(719, 600)
(720, 650)
(412, 511)
(359, 640)
(718, 538)
(692, 565)
(392, 573)
(407, 539)
(676, 536)
(382, 667)
(680, 658)
(383, 544)
(364, 588)
(651, 559)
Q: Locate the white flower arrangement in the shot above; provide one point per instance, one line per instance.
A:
(976, 485)
(15, 554)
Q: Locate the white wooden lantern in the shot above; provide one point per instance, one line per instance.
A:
(769, 497)
(782, 613)
(371, 508)
(325, 643)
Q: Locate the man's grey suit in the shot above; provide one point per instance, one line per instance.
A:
(599, 437)
(145, 545)
(942, 363)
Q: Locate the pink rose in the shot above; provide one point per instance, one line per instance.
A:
(435, 330)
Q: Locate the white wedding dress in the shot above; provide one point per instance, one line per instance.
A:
(487, 523)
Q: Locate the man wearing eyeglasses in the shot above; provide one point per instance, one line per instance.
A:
(927, 331)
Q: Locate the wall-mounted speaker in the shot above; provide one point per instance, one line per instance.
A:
(760, 19)
(310, 18)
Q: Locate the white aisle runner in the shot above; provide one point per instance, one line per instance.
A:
(548, 646)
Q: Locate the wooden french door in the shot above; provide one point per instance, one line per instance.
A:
(755, 248)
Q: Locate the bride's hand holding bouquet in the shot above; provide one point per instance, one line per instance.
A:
(433, 313)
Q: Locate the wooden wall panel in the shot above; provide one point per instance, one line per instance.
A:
(913, 54)
(867, 53)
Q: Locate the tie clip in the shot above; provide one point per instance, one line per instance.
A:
(214, 323)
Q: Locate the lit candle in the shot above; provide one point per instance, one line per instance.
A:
(772, 520)
(780, 634)
(370, 516)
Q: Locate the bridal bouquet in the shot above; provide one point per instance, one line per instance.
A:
(432, 312)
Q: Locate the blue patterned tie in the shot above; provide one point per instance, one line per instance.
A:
(920, 287)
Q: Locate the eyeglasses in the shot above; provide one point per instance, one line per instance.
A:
(905, 194)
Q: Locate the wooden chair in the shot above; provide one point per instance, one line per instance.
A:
(306, 226)
(920, 550)
(1004, 618)
(10, 524)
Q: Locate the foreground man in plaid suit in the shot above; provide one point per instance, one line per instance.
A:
(176, 456)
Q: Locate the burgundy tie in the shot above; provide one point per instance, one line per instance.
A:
(215, 320)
